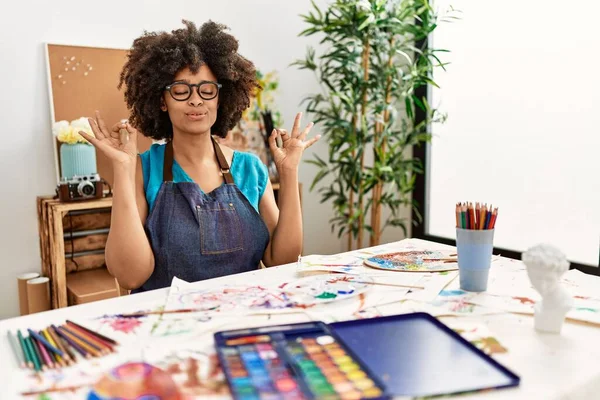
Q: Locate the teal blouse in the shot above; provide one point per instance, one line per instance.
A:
(248, 171)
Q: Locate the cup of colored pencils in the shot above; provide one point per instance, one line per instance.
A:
(58, 346)
(474, 244)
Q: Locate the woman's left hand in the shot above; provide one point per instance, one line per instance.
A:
(287, 157)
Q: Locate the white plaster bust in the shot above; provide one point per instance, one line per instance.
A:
(545, 266)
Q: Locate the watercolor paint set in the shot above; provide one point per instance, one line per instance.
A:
(377, 358)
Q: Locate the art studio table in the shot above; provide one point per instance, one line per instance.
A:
(564, 366)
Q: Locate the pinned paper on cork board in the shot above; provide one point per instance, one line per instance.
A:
(83, 79)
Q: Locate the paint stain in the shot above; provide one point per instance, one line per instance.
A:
(125, 325)
(326, 295)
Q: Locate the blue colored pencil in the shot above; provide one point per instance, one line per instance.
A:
(45, 342)
(488, 216)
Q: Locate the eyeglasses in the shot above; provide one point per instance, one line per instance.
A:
(181, 91)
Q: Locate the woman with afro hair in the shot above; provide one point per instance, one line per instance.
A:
(189, 207)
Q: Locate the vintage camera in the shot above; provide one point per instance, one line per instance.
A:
(80, 187)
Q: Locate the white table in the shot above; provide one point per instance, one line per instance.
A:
(565, 366)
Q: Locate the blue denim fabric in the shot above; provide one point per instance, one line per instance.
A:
(197, 236)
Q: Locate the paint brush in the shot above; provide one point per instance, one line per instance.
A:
(387, 284)
(161, 312)
(54, 390)
(123, 133)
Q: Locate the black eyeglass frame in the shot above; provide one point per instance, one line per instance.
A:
(191, 86)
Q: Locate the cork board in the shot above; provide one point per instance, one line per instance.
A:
(82, 80)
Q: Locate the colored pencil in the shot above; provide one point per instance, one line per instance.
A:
(37, 361)
(482, 217)
(106, 339)
(488, 215)
(71, 343)
(37, 364)
(94, 339)
(44, 353)
(45, 342)
(457, 211)
(91, 350)
(478, 216)
(494, 216)
(69, 356)
(84, 339)
(28, 359)
(29, 356)
(16, 350)
(53, 357)
(60, 360)
(471, 216)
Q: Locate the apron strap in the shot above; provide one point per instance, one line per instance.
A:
(168, 162)
(222, 162)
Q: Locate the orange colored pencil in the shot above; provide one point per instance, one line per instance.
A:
(79, 342)
(69, 357)
(104, 338)
(99, 348)
(93, 340)
(482, 216)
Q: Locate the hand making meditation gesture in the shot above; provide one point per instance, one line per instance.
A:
(190, 207)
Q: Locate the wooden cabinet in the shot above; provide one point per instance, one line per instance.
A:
(72, 240)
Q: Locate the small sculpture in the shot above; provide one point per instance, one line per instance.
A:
(545, 266)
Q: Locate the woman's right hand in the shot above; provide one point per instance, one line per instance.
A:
(109, 141)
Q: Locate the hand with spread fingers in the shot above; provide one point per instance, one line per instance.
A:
(287, 157)
(114, 143)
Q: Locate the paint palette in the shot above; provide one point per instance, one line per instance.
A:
(301, 361)
(326, 288)
(414, 261)
(376, 358)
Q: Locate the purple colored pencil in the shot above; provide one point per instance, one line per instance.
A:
(79, 336)
(71, 343)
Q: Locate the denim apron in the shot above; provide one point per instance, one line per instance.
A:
(196, 235)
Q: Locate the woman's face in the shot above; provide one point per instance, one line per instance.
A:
(197, 113)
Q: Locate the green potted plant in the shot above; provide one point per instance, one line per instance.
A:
(374, 58)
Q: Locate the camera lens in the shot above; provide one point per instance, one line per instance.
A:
(86, 189)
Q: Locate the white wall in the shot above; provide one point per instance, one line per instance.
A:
(522, 92)
(267, 31)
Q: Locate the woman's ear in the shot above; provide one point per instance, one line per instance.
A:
(163, 106)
